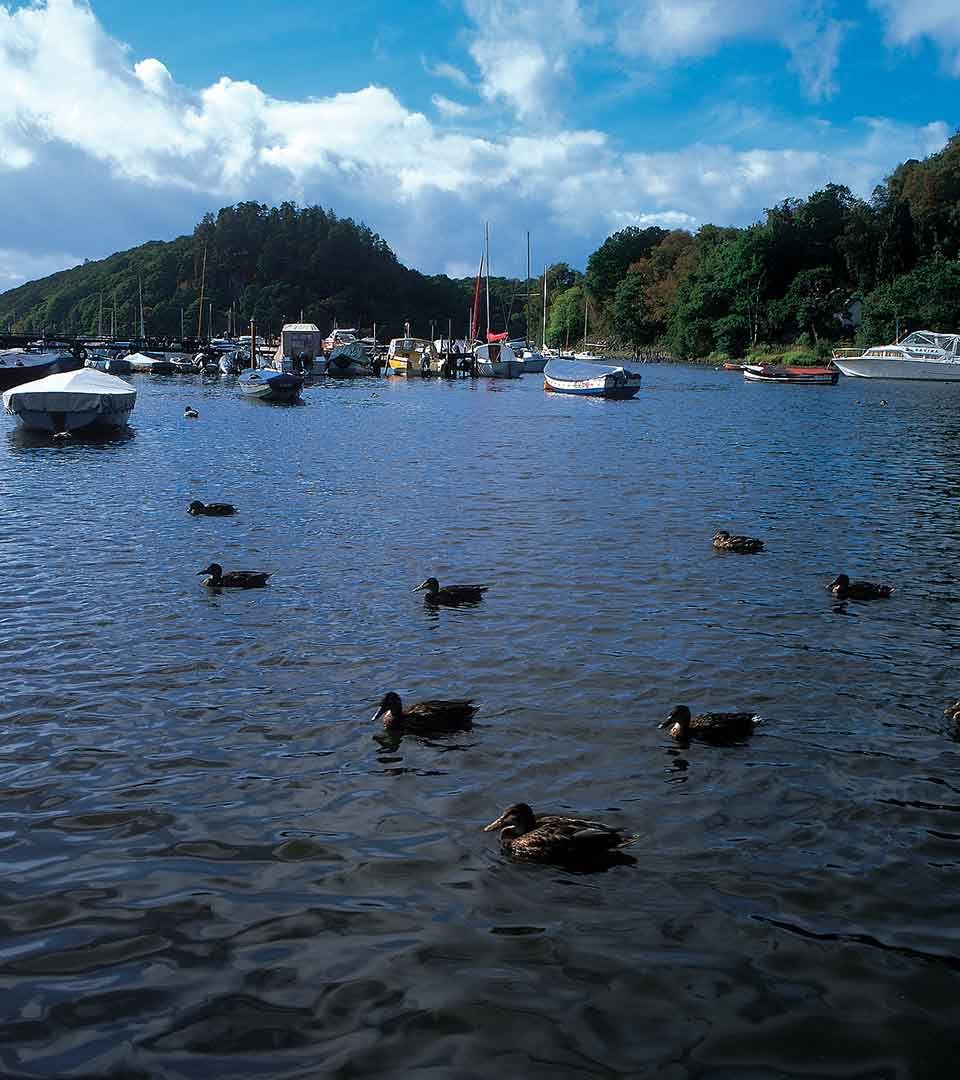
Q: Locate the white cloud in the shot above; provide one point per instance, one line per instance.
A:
(668, 31)
(97, 159)
(449, 72)
(16, 267)
(908, 21)
(449, 108)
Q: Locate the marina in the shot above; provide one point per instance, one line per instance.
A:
(205, 824)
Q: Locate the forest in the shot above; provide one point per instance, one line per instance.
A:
(831, 267)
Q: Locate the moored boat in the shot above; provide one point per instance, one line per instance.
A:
(19, 366)
(268, 384)
(794, 376)
(586, 379)
(922, 354)
(347, 360)
(112, 365)
(413, 356)
(496, 360)
(72, 401)
(151, 363)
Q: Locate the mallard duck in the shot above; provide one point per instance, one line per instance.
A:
(199, 509)
(745, 545)
(236, 579)
(845, 589)
(555, 839)
(450, 595)
(425, 716)
(710, 726)
(190, 413)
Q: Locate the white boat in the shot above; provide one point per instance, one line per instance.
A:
(338, 337)
(300, 349)
(72, 401)
(27, 365)
(922, 354)
(151, 363)
(232, 363)
(269, 384)
(497, 361)
(112, 365)
(589, 380)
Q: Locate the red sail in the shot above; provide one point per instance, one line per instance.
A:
(496, 337)
(475, 324)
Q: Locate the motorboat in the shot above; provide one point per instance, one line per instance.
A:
(496, 360)
(338, 337)
(112, 365)
(270, 384)
(72, 401)
(232, 363)
(151, 363)
(349, 359)
(413, 356)
(532, 361)
(300, 349)
(19, 366)
(586, 379)
(794, 376)
(922, 354)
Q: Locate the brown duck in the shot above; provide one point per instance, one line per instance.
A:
(555, 839)
(716, 727)
(744, 545)
(450, 595)
(426, 716)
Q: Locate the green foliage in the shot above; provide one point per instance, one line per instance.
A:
(927, 298)
(608, 264)
(566, 317)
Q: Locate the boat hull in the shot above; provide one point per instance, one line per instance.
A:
(52, 423)
(791, 376)
(582, 379)
(868, 367)
(262, 384)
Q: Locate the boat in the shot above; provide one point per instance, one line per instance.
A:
(112, 365)
(587, 379)
(413, 356)
(19, 366)
(233, 362)
(72, 401)
(921, 354)
(347, 360)
(151, 363)
(269, 384)
(731, 367)
(338, 337)
(300, 349)
(531, 360)
(496, 360)
(795, 376)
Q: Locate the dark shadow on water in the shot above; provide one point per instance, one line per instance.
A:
(23, 439)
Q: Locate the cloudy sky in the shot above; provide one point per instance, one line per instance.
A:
(122, 122)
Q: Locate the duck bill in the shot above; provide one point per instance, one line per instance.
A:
(667, 723)
(494, 825)
(422, 585)
(381, 712)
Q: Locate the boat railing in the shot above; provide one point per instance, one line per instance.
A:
(844, 354)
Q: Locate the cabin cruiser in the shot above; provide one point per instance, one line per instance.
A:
(922, 354)
(413, 356)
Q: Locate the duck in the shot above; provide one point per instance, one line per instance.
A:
(744, 545)
(190, 413)
(845, 589)
(450, 595)
(717, 727)
(199, 509)
(953, 711)
(425, 716)
(235, 579)
(555, 839)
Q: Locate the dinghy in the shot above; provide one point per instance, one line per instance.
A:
(586, 379)
(797, 376)
(72, 401)
(268, 384)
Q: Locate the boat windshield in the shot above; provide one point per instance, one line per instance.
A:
(926, 339)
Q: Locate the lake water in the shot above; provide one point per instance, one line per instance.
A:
(210, 867)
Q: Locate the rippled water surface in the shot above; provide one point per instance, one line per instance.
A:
(210, 866)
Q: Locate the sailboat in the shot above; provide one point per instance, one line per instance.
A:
(495, 359)
(532, 360)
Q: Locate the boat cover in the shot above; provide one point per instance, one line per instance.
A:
(86, 390)
(577, 370)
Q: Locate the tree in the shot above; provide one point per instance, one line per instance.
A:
(566, 316)
(607, 265)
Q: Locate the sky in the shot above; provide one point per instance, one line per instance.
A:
(124, 122)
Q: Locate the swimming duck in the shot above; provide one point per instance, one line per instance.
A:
(745, 545)
(715, 727)
(845, 589)
(236, 579)
(198, 509)
(953, 711)
(554, 839)
(190, 413)
(425, 716)
(450, 595)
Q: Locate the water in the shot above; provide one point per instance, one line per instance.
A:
(211, 868)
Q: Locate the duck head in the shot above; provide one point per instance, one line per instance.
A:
(679, 717)
(721, 535)
(431, 585)
(196, 507)
(514, 821)
(840, 583)
(215, 570)
(390, 707)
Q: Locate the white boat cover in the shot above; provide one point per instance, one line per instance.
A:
(577, 370)
(86, 390)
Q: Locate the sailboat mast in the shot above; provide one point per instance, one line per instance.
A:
(487, 245)
(100, 317)
(527, 310)
(543, 340)
(586, 302)
(140, 289)
(203, 278)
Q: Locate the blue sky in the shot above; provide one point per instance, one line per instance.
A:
(125, 122)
